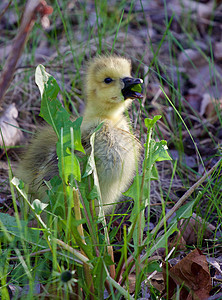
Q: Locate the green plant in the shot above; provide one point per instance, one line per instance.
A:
(87, 250)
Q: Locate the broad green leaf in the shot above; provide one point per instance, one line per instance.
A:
(161, 242)
(11, 225)
(68, 164)
(50, 107)
(46, 83)
(38, 206)
(26, 233)
(152, 266)
(53, 112)
(137, 88)
(158, 152)
(99, 275)
(56, 196)
(149, 123)
(153, 175)
(93, 194)
(21, 184)
(76, 125)
(69, 141)
(184, 212)
(139, 225)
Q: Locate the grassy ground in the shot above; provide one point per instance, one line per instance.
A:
(175, 48)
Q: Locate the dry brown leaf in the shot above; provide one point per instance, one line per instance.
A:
(192, 276)
(189, 229)
(157, 281)
(201, 76)
(11, 134)
(209, 106)
(216, 263)
(206, 105)
(132, 282)
(177, 241)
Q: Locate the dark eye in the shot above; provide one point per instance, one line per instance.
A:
(108, 80)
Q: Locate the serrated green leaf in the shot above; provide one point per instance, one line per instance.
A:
(68, 164)
(49, 90)
(149, 123)
(93, 193)
(46, 83)
(76, 125)
(53, 112)
(38, 206)
(184, 212)
(137, 88)
(158, 152)
(72, 132)
(161, 242)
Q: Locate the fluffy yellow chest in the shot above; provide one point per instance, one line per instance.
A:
(116, 153)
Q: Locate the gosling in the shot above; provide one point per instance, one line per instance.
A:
(109, 92)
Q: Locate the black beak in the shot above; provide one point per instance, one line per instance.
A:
(132, 88)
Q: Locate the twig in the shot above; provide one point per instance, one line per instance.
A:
(31, 254)
(5, 9)
(32, 10)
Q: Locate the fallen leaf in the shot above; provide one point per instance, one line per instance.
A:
(191, 275)
(210, 106)
(132, 283)
(9, 127)
(216, 263)
(194, 227)
(189, 231)
(203, 77)
(157, 281)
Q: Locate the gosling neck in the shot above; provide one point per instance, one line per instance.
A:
(95, 115)
(92, 114)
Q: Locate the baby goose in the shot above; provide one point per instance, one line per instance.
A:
(109, 92)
